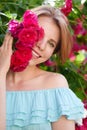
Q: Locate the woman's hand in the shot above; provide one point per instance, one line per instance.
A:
(5, 53)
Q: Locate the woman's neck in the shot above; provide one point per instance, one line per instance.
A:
(29, 73)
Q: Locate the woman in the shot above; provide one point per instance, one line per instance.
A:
(37, 99)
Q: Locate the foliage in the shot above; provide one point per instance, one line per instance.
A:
(75, 69)
(13, 9)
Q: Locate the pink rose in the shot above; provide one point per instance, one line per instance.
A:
(19, 45)
(14, 27)
(30, 15)
(29, 22)
(28, 36)
(40, 33)
(67, 8)
(30, 19)
(20, 59)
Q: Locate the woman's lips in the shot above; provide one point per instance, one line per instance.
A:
(35, 54)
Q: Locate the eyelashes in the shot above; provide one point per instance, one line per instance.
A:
(51, 44)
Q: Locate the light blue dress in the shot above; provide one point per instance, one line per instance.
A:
(36, 109)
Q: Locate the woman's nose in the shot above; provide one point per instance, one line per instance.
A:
(41, 44)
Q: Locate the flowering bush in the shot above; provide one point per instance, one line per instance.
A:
(67, 8)
(75, 69)
(84, 123)
(77, 56)
(27, 33)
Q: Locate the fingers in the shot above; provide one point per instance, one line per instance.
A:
(6, 52)
(9, 45)
(8, 40)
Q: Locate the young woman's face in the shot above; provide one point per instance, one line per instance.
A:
(44, 49)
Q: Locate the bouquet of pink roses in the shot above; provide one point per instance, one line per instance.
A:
(27, 33)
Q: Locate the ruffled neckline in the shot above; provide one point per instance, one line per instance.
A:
(42, 106)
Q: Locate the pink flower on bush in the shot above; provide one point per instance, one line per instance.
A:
(72, 57)
(77, 47)
(27, 33)
(81, 128)
(79, 29)
(84, 126)
(83, 47)
(67, 8)
(50, 63)
(85, 77)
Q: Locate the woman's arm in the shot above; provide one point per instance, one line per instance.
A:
(63, 124)
(5, 56)
(2, 102)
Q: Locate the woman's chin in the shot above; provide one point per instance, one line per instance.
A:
(32, 62)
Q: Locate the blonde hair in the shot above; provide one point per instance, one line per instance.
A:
(65, 43)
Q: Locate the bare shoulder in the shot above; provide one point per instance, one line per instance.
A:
(56, 80)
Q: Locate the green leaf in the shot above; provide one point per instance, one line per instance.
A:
(11, 15)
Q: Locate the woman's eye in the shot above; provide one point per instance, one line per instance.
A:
(51, 44)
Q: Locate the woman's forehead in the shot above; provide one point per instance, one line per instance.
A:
(50, 27)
